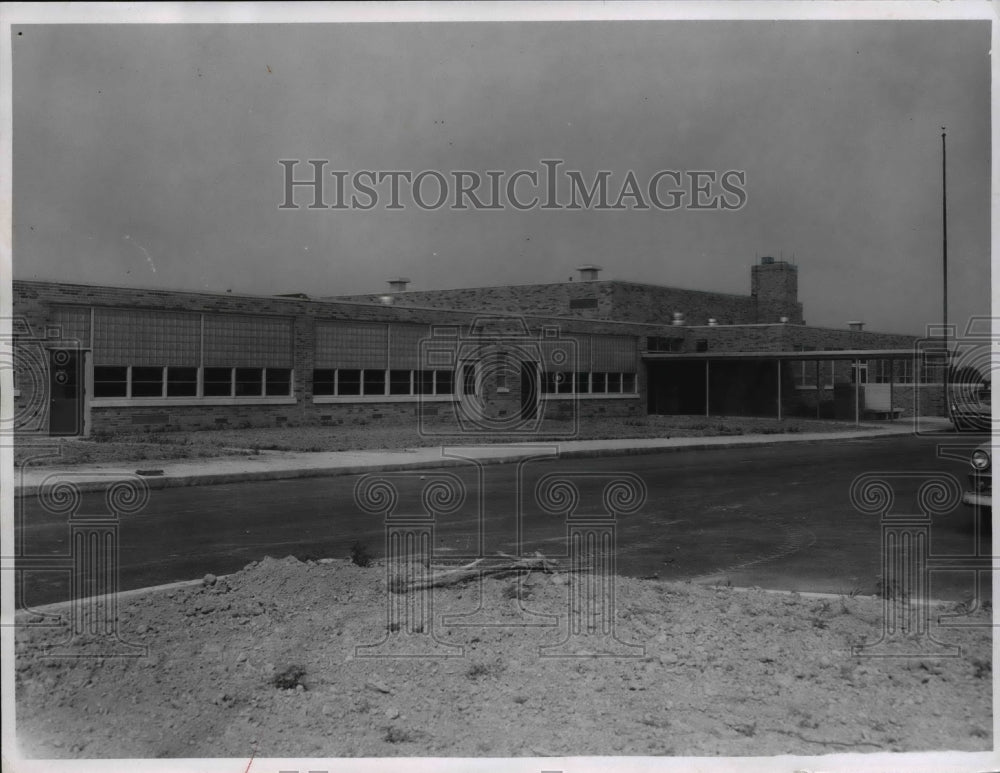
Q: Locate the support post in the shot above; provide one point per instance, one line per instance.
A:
(892, 385)
(857, 392)
(818, 395)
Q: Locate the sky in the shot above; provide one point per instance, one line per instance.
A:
(147, 155)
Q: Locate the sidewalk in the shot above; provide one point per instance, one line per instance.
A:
(274, 465)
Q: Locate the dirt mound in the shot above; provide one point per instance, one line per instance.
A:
(264, 662)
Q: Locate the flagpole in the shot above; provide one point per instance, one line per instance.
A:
(944, 264)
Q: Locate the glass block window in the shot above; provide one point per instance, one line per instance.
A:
(613, 354)
(146, 338)
(244, 341)
(559, 355)
(351, 346)
(405, 346)
(110, 381)
(74, 322)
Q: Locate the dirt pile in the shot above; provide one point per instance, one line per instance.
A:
(264, 663)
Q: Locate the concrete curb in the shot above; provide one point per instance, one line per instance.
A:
(209, 479)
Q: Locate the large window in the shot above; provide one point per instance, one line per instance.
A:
(147, 354)
(369, 382)
(172, 382)
(110, 381)
(218, 382)
(147, 382)
(182, 382)
(582, 383)
(804, 372)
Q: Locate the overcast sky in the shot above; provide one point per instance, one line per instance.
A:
(147, 156)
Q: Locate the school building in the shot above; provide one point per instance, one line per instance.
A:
(518, 359)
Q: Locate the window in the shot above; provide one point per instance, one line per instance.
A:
(323, 381)
(880, 371)
(400, 382)
(599, 382)
(615, 383)
(278, 382)
(423, 382)
(701, 345)
(374, 381)
(182, 382)
(217, 382)
(444, 382)
(859, 372)
(628, 383)
(348, 382)
(110, 382)
(147, 382)
(249, 382)
(582, 383)
(661, 344)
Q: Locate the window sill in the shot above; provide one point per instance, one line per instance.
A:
(333, 399)
(140, 402)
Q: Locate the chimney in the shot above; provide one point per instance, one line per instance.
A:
(856, 326)
(399, 285)
(588, 273)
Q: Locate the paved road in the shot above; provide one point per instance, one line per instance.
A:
(776, 516)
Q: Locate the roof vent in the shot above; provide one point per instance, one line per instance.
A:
(678, 318)
(712, 322)
(767, 260)
(399, 285)
(856, 326)
(589, 273)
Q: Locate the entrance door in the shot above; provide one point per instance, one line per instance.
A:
(65, 392)
(529, 390)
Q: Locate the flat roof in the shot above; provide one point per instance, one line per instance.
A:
(825, 354)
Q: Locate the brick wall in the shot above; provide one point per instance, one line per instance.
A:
(34, 303)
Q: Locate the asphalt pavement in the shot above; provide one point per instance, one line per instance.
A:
(769, 511)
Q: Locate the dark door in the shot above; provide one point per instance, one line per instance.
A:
(65, 392)
(529, 390)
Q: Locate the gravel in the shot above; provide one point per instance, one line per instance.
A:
(263, 662)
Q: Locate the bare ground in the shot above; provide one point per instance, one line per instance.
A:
(163, 446)
(263, 663)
